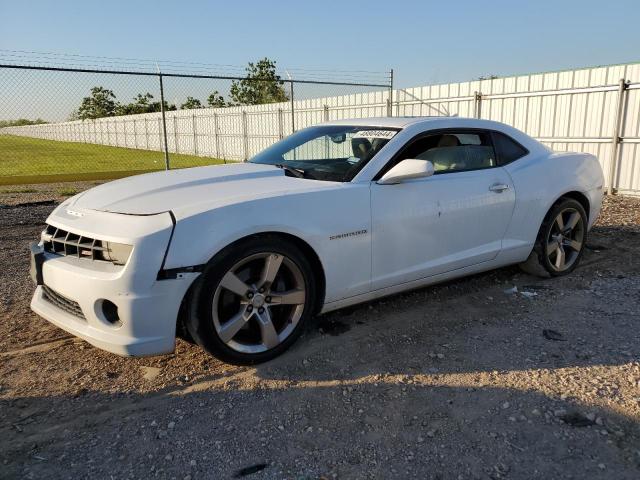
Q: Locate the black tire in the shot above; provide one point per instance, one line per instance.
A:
(539, 262)
(199, 320)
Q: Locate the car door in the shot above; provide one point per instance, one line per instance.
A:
(453, 219)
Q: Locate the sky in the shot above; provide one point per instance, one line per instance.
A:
(425, 42)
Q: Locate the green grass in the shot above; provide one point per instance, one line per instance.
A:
(68, 191)
(31, 160)
(19, 190)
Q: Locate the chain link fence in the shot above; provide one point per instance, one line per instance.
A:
(64, 124)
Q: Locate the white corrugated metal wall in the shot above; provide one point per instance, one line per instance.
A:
(567, 110)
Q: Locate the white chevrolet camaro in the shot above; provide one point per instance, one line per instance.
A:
(239, 257)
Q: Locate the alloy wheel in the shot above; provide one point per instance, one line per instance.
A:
(259, 302)
(565, 239)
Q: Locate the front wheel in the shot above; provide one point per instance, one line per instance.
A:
(560, 242)
(252, 301)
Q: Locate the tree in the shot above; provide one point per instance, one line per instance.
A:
(488, 77)
(261, 85)
(101, 103)
(216, 100)
(141, 104)
(155, 107)
(190, 104)
(20, 122)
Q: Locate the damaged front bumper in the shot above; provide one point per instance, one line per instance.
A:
(124, 309)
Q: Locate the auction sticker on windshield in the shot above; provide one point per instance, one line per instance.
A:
(386, 134)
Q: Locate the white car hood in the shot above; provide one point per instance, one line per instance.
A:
(192, 189)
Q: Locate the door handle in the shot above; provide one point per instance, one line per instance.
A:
(499, 187)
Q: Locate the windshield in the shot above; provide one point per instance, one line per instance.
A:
(330, 152)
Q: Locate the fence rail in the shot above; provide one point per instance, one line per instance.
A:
(595, 110)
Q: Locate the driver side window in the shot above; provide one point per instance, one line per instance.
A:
(453, 151)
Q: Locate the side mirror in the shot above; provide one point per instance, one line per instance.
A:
(406, 170)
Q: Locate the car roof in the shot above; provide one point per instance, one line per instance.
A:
(403, 122)
(419, 124)
(395, 122)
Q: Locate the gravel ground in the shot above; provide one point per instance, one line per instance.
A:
(462, 380)
(41, 192)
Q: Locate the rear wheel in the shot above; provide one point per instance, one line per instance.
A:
(560, 242)
(252, 301)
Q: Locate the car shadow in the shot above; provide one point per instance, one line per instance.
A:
(380, 426)
(457, 380)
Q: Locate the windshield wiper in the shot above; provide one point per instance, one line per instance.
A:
(296, 172)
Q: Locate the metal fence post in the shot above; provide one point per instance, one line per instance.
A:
(146, 132)
(160, 143)
(280, 124)
(477, 104)
(293, 113)
(326, 114)
(390, 99)
(245, 136)
(616, 139)
(215, 134)
(164, 125)
(195, 134)
(175, 133)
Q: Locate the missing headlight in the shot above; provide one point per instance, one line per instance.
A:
(62, 242)
(117, 253)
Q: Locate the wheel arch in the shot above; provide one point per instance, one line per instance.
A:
(534, 265)
(307, 250)
(576, 195)
(580, 197)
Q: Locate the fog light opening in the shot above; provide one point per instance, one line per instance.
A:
(110, 312)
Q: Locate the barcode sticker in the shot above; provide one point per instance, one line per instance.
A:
(386, 134)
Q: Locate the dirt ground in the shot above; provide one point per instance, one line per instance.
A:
(462, 380)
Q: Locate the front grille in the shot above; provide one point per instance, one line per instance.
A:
(62, 242)
(62, 302)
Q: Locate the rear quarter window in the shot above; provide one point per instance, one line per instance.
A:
(507, 149)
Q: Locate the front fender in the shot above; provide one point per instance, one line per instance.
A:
(313, 217)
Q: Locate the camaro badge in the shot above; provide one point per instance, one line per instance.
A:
(74, 213)
(350, 234)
